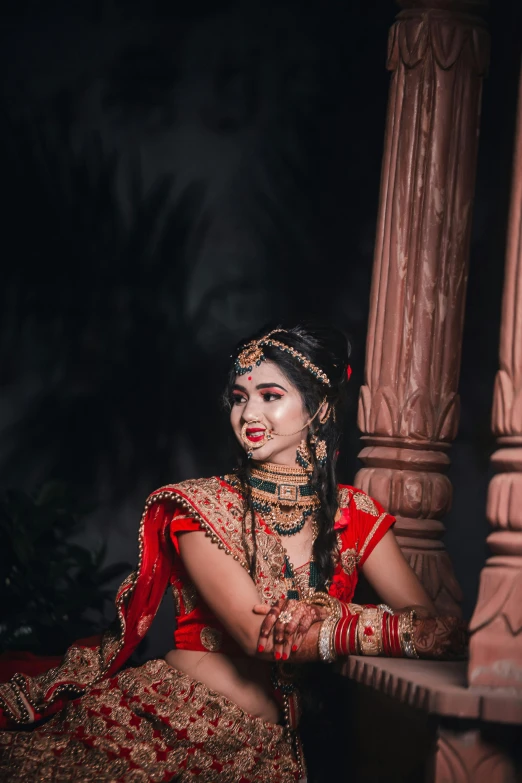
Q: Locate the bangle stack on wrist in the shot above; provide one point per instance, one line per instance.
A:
(326, 646)
(366, 630)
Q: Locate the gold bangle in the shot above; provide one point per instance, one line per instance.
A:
(323, 599)
(318, 599)
(369, 631)
(325, 642)
(406, 633)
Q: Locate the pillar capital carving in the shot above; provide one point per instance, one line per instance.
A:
(449, 36)
(409, 405)
(453, 6)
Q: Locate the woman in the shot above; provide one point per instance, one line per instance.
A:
(262, 564)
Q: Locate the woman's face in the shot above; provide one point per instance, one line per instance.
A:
(266, 398)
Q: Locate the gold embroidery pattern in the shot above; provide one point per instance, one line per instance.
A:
(371, 535)
(147, 725)
(177, 600)
(349, 561)
(218, 509)
(222, 507)
(269, 551)
(344, 495)
(144, 624)
(302, 580)
(80, 665)
(190, 596)
(211, 638)
(363, 502)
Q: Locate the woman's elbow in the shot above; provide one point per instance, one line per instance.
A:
(250, 646)
(248, 640)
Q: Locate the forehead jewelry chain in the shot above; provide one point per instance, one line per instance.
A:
(251, 355)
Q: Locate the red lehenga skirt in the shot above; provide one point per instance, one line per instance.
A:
(145, 725)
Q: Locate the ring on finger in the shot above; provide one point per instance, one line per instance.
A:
(285, 616)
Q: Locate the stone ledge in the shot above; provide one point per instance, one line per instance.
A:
(436, 687)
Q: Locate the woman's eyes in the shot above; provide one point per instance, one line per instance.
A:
(240, 399)
(270, 396)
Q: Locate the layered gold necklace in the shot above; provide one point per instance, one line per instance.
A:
(283, 496)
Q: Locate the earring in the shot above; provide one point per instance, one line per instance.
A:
(320, 449)
(326, 416)
(303, 456)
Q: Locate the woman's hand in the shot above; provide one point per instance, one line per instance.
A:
(286, 624)
(440, 637)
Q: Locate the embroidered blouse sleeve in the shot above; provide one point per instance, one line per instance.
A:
(369, 523)
(181, 523)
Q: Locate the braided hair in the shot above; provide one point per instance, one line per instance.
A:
(328, 349)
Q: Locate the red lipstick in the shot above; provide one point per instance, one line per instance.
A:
(255, 434)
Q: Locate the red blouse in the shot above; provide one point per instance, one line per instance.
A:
(361, 525)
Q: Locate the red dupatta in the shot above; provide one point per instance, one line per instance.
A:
(218, 508)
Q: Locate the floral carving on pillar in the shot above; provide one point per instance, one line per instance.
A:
(496, 643)
(409, 405)
(467, 757)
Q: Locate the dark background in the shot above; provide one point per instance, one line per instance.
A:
(174, 176)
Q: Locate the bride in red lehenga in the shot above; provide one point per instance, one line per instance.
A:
(262, 564)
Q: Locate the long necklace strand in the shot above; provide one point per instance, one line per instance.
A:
(285, 499)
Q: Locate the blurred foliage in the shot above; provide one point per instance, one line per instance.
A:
(113, 299)
(52, 590)
(95, 331)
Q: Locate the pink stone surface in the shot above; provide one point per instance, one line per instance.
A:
(409, 405)
(496, 625)
(437, 687)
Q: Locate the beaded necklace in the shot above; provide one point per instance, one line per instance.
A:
(285, 499)
(283, 496)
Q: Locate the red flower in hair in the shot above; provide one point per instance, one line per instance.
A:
(348, 372)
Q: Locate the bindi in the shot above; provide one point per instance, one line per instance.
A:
(249, 377)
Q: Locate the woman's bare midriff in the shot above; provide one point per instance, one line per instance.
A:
(245, 681)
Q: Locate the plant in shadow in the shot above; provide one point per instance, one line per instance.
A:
(95, 328)
(53, 590)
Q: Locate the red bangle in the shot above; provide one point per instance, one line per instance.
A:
(396, 649)
(384, 633)
(345, 635)
(345, 612)
(352, 635)
(339, 636)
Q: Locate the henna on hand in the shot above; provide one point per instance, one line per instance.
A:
(440, 637)
(286, 625)
(290, 634)
(268, 624)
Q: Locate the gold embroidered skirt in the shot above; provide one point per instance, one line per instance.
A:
(147, 724)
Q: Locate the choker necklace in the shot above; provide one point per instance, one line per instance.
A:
(283, 495)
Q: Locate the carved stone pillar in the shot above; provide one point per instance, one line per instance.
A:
(496, 643)
(409, 406)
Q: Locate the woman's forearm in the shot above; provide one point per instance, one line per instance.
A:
(367, 630)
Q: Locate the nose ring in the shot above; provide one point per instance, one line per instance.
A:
(257, 444)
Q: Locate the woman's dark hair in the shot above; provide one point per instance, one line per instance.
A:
(329, 349)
